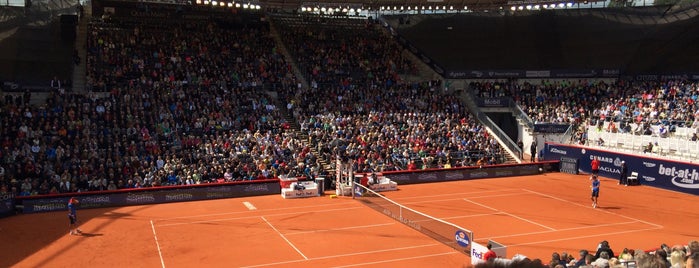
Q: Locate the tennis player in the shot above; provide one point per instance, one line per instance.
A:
(73, 216)
(595, 190)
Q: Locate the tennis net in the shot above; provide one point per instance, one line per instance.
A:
(445, 232)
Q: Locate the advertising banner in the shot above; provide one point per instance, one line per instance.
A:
(152, 196)
(7, 204)
(467, 173)
(478, 250)
(469, 74)
(551, 128)
(661, 173)
(493, 102)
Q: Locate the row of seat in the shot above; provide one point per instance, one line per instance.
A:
(674, 147)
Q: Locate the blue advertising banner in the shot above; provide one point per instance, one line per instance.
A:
(470, 74)
(7, 204)
(661, 173)
(551, 128)
(468, 173)
(466, 74)
(152, 196)
(493, 102)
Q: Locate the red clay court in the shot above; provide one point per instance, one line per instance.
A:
(532, 215)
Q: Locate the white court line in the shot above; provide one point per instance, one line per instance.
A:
(249, 205)
(284, 237)
(463, 193)
(344, 255)
(472, 215)
(254, 217)
(585, 236)
(601, 210)
(509, 214)
(399, 259)
(559, 230)
(340, 229)
(459, 198)
(247, 211)
(160, 253)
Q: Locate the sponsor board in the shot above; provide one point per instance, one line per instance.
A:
(551, 128)
(151, 196)
(465, 173)
(478, 250)
(493, 102)
(462, 238)
(7, 203)
(661, 173)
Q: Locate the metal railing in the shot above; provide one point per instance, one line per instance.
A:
(505, 140)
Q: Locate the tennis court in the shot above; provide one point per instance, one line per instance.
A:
(531, 215)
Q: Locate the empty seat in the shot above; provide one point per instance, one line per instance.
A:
(633, 179)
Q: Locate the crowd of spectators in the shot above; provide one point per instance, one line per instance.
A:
(632, 107)
(182, 103)
(603, 256)
(358, 107)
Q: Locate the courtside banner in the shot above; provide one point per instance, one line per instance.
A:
(468, 173)
(7, 203)
(661, 173)
(147, 196)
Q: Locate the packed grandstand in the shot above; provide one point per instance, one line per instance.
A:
(182, 99)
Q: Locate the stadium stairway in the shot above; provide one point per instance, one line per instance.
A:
(80, 70)
(493, 129)
(288, 114)
(285, 52)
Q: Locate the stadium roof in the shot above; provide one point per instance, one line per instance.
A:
(455, 4)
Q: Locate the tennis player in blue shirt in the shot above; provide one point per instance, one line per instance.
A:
(595, 190)
(73, 216)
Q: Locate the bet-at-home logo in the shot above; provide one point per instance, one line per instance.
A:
(684, 178)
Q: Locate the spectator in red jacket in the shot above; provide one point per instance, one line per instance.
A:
(490, 255)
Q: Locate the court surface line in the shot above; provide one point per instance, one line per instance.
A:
(256, 216)
(560, 230)
(586, 236)
(386, 224)
(399, 259)
(340, 229)
(246, 211)
(458, 198)
(462, 193)
(509, 214)
(157, 244)
(345, 255)
(249, 205)
(284, 237)
(602, 210)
